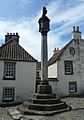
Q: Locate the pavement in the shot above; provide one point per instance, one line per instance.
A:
(77, 112)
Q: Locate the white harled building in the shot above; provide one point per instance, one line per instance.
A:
(66, 66)
(17, 71)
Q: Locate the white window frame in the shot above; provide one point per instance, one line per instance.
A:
(8, 94)
(68, 67)
(72, 87)
(9, 70)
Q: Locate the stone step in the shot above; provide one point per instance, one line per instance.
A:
(26, 111)
(45, 107)
(44, 101)
(44, 96)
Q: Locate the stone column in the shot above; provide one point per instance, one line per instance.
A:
(44, 58)
(44, 87)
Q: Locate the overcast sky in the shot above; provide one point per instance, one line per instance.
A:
(22, 16)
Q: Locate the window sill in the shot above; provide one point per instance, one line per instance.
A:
(8, 78)
(8, 100)
(68, 73)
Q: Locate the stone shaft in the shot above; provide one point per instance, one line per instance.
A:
(44, 58)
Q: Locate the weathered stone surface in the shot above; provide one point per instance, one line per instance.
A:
(15, 114)
(41, 113)
(44, 96)
(44, 89)
(44, 101)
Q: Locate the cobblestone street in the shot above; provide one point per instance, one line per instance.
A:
(77, 112)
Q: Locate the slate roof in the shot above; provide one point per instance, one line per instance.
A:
(14, 52)
(56, 56)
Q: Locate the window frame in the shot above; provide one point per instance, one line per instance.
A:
(4, 99)
(74, 83)
(37, 74)
(69, 68)
(10, 69)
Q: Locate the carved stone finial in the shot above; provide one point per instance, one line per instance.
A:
(44, 11)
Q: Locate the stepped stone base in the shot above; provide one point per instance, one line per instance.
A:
(43, 104)
(26, 111)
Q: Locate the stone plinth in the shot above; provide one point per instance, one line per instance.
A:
(43, 104)
(44, 89)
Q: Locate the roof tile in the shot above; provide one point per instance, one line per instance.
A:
(13, 51)
(56, 56)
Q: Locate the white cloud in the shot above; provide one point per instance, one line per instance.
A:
(29, 36)
(63, 16)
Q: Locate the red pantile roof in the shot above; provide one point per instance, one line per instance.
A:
(56, 56)
(13, 51)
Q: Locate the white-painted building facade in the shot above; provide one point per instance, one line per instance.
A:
(67, 67)
(17, 71)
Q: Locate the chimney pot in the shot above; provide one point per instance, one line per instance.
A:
(76, 34)
(55, 51)
(7, 33)
(10, 33)
(77, 29)
(13, 33)
(16, 33)
(73, 28)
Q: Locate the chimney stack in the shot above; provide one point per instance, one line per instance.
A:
(13, 36)
(76, 34)
(55, 51)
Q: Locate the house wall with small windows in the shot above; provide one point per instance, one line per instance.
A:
(70, 70)
(20, 88)
(71, 83)
(17, 71)
(70, 66)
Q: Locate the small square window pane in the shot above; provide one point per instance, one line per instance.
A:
(72, 87)
(68, 67)
(8, 94)
(9, 70)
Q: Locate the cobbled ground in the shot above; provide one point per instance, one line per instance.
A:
(77, 112)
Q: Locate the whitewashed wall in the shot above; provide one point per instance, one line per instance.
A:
(78, 70)
(52, 70)
(25, 80)
(26, 76)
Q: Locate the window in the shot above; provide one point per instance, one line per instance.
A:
(68, 67)
(9, 70)
(8, 94)
(72, 87)
(37, 74)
